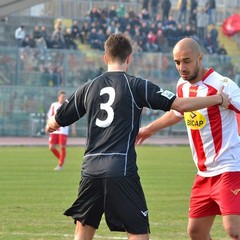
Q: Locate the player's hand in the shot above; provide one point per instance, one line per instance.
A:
(225, 98)
(48, 129)
(52, 125)
(143, 134)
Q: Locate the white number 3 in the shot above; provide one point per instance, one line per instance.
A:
(107, 107)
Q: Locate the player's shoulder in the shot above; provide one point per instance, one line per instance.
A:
(136, 78)
(83, 87)
(217, 78)
(138, 82)
(54, 104)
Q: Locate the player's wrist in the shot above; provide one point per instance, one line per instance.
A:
(221, 99)
(150, 129)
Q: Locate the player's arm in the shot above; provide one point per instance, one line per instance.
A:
(181, 105)
(195, 103)
(167, 120)
(52, 125)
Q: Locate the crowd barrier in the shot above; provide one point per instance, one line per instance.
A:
(29, 83)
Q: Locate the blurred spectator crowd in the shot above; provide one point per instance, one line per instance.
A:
(156, 28)
(153, 29)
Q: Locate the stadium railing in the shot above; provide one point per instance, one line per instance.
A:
(29, 83)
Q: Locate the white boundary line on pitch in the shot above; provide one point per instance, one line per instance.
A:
(55, 234)
(65, 235)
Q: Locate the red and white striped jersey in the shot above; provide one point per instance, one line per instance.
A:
(213, 132)
(52, 111)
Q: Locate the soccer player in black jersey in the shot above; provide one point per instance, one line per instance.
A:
(113, 104)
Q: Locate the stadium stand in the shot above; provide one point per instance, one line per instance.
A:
(29, 80)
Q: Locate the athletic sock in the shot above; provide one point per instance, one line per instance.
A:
(55, 152)
(62, 156)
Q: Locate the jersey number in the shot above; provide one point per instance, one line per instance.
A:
(107, 107)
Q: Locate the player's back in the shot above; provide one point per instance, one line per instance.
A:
(111, 109)
(113, 121)
(113, 103)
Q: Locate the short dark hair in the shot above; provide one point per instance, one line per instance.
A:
(118, 47)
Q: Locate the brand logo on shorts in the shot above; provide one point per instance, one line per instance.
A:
(235, 192)
(144, 213)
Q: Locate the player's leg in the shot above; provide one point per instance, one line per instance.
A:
(202, 210)
(126, 208)
(231, 224)
(62, 146)
(230, 203)
(138, 236)
(88, 208)
(53, 140)
(199, 228)
(85, 232)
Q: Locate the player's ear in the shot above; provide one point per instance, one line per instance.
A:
(129, 59)
(105, 59)
(201, 57)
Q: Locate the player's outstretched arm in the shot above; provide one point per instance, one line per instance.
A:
(195, 103)
(182, 105)
(167, 120)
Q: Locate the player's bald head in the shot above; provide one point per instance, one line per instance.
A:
(187, 44)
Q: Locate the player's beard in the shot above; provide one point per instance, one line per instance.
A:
(193, 76)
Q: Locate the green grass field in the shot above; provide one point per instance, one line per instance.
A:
(34, 197)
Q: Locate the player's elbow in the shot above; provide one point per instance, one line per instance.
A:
(181, 105)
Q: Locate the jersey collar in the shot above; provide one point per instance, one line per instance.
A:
(210, 70)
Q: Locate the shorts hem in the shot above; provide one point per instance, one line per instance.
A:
(202, 216)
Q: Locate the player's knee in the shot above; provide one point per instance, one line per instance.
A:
(138, 236)
(193, 233)
(51, 147)
(233, 232)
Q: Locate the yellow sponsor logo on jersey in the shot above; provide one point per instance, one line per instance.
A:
(194, 120)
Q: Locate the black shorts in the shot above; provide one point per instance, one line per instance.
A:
(121, 199)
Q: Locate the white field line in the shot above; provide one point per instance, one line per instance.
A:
(60, 235)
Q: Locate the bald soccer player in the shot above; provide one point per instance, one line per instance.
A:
(214, 142)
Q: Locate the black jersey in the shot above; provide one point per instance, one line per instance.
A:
(113, 103)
